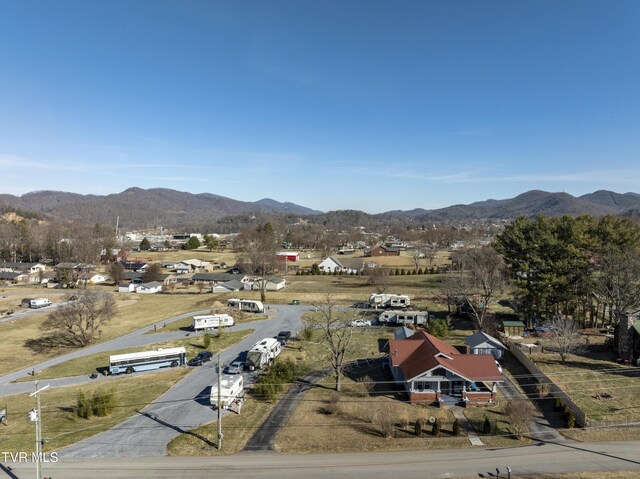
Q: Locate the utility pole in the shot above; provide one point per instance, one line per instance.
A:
(36, 416)
(219, 403)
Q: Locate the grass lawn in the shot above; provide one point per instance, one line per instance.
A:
(584, 376)
(500, 435)
(99, 361)
(61, 425)
(353, 421)
(603, 434)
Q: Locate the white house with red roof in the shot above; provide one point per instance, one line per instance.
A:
(432, 370)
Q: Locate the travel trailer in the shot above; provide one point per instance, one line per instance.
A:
(384, 300)
(246, 305)
(210, 321)
(263, 353)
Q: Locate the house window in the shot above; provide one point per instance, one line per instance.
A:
(439, 372)
(422, 386)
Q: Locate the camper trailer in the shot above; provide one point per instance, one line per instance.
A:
(246, 305)
(262, 353)
(39, 303)
(231, 388)
(210, 321)
(384, 300)
(415, 318)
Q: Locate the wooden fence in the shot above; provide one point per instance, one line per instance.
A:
(554, 389)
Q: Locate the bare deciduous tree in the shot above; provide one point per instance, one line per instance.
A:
(117, 273)
(259, 254)
(449, 289)
(377, 276)
(519, 413)
(416, 255)
(565, 336)
(153, 273)
(386, 417)
(483, 277)
(619, 278)
(79, 321)
(336, 333)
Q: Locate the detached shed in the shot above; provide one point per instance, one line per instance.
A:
(513, 328)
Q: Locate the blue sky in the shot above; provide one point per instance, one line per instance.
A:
(371, 105)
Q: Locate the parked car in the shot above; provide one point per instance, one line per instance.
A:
(235, 367)
(360, 323)
(200, 359)
(284, 337)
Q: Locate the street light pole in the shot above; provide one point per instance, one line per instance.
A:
(219, 403)
(38, 421)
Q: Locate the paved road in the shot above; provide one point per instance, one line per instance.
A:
(21, 312)
(460, 463)
(183, 407)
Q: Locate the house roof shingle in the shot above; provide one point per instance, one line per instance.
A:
(422, 352)
(481, 337)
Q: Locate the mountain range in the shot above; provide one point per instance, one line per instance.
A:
(140, 208)
(533, 203)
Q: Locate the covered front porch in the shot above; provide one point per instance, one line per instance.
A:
(447, 391)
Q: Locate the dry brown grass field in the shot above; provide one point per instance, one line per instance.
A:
(134, 312)
(353, 420)
(97, 363)
(585, 475)
(583, 377)
(61, 425)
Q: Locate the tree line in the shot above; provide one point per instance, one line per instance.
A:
(582, 267)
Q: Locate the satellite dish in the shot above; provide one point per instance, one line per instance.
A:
(432, 420)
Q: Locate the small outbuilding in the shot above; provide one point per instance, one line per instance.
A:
(513, 328)
(482, 343)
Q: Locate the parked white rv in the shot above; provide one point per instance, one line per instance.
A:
(36, 303)
(262, 353)
(384, 300)
(212, 321)
(415, 318)
(231, 388)
(247, 305)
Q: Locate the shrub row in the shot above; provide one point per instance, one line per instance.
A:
(100, 404)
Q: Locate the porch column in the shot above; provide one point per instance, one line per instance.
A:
(494, 391)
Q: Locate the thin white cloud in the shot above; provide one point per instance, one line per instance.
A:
(597, 177)
(17, 161)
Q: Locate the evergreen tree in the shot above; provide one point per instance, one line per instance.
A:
(145, 245)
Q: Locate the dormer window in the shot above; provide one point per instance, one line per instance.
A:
(439, 372)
